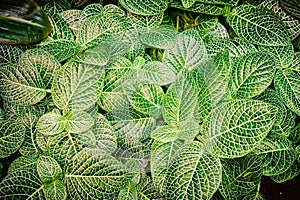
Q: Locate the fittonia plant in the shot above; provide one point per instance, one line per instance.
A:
(152, 99)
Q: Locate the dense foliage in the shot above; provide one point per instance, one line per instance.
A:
(152, 99)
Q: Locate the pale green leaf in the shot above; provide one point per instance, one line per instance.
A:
(105, 134)
(21, 84)
(78, 121)
(128, 193)
(162, 156)
(291, 23)
(199, 178)
(161, 37)
(145, 7)
(167, 133)
(146, 23)
(12, 136)
(95, 175)
(155, 72)
(258, 25)
(286, 83)
(134, 169)
(48, 169)
(180, 101)
(75, 85)
(147, 99)
(188, 52)
(61, 49)
(55, 190)
(73, 18)
(51, 124)
(236, 127)
(251, 74)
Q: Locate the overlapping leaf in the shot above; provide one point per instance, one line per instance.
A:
(236, 127)
(48, 169)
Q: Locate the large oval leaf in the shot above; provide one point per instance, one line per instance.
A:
(258, 25)
(75, 86)
(236, 127)
(22, 22)
(199, 178)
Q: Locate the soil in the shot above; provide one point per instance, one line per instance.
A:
(289, 190)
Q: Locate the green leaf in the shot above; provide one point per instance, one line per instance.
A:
(160, 37)
(155, 72)
(22, 22)
(75, 85)
(48, 169)
(55, 190)
(258, 25)
(199, 7)
(22, 163)
(188, 3)
(105, 134)
(51, 124)
(188, 52)
(147, 99)
(78, 121)
(290, 174)
(9, 55)
(167, 133)
(236, 127)
(284, 55)
(63, 147)
(199, 178)
(145, 7)
(240, 176)
(61, 49)
(60, 28)
(44, 62)
(22, 184)
(279, 155)
(12, 136)
(292, 7)
(251, 74)
(180, 101)
(128, 193)
(94, 174)
(286, 83)
(95, 29)
(21, 85)
(162, 156)
(146, 23)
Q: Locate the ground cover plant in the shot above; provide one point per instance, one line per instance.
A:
(148, 99)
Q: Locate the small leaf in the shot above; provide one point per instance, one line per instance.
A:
(78, 121)
(145, 7)
(56, 190)
(187, 3)
(48, 169)
(146, 23)
(51, 124)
